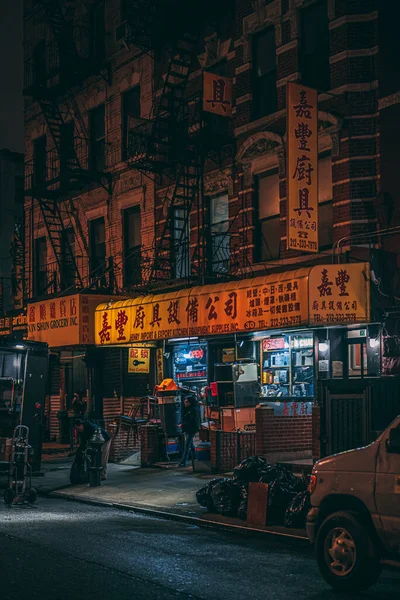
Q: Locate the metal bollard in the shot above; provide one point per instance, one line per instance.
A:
(96, 445)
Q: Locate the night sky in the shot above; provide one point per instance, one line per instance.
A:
(11, 76)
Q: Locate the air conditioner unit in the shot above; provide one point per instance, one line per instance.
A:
(121, 31)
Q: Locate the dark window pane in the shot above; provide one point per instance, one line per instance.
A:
(97, 138)
(39, 160)
(98, 32)
(181, 242)
(315, 46)
(40, 275)
(264, 73)
(19, 189)
(132, 245)
(270, 238)
(220, 241)
(68, 257)
(130, 114)
(98, 251)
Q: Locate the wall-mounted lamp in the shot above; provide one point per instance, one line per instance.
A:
(373, 342)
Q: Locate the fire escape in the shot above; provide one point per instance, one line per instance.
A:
(174, 145)
(50, 73)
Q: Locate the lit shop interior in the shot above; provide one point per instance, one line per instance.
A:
(278, 369)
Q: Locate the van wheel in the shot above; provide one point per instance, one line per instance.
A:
(346, 555)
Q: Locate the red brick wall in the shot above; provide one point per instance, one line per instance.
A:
(125, 442)
(228, 448)
(316, 432)
(282, 437)
(150, 445)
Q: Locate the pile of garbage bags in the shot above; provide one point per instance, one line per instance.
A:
(288, 498)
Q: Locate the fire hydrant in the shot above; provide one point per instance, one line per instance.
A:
(96, 446)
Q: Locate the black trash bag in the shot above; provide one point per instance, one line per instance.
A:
(301, 484)
(226, 497)
(296, 512)
(244, 497)
(250, 469)
(280, 494)
(203, 495)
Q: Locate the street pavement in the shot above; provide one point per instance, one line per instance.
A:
(62, 549)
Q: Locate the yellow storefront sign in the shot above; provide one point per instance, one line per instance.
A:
(339, 294)
(336, 294)
(139, 360)
(65, 321)
(302, 166)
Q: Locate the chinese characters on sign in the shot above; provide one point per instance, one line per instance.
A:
(264, 303)
(339, 293)
(302, 133)
(139, 360)
(217, 94)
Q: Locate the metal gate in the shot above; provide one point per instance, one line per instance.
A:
(347, 421)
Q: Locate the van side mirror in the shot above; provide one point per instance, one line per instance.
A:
(393, 442)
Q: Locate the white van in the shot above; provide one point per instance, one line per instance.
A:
(354, 521)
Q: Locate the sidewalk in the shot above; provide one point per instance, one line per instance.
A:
(160, 492)
(167, 493)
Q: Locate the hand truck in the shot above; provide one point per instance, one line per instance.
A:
(20, 471)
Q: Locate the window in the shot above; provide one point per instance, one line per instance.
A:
(264, 73)
(268, 214)
(19, 189)
(130, 115)
(39, 161)
(97, 248)
(39, 64)
(314, 62)
(123, 10)
(68, 257)
(180, 248)
(40, 262)
(325, 209)
(67, 148)
(219, 236)
(97, 138)
(98, 32)
(132, 245)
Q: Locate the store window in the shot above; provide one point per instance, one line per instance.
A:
(269, 216)
(288, 367)
(219, 232)
(97, 138)
(325, 208)
(364, 352)
(130, 115)
(180, 250)
(264, 73)
(132, 245)
(314, 56)
(190, 363)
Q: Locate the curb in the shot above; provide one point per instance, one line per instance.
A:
(160, 514)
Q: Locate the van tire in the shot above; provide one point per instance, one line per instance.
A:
(346, 555)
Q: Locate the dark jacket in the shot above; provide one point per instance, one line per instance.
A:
(88, 431)
(191, 419)
(79, 406)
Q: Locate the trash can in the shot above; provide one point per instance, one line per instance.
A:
(63, 431)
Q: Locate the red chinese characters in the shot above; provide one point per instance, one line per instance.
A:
(120, 322)
(104, 333)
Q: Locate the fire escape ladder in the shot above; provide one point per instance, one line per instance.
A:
(17, 252)
(53, 220)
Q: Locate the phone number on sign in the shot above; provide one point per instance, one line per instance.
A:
(334, 318)
(303, 244)
(295, 320)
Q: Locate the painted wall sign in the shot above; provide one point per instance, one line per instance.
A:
(139, 360)
(302, 171)
(65, 321)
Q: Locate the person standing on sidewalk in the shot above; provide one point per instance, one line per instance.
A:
(190, 426)
(86, 430)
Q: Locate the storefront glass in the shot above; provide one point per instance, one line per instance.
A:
(287, 366)
(190, 364)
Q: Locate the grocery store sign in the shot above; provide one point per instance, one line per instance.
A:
(309, 296)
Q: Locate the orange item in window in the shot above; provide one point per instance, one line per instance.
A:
(166, 385)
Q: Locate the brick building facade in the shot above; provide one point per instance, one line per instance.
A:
(113, 222)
